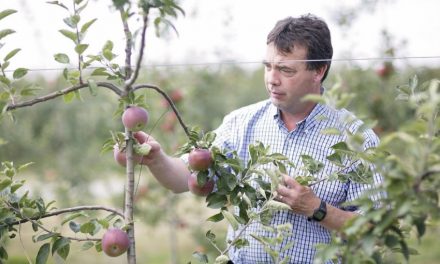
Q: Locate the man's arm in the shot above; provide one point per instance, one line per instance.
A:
(171, 172)
(302, 200)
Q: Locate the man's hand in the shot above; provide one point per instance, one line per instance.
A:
(143, 137)
(301, 199)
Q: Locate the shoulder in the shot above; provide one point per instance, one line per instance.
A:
(346, 121)
(250, 111)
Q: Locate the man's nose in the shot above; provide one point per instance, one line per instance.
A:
(273, 77)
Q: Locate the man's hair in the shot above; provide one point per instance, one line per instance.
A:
(308, 31)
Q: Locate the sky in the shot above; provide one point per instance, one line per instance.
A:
(214, 31)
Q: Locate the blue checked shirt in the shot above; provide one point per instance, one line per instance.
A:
(262, 122)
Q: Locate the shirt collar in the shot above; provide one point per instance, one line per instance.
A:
(309, 122)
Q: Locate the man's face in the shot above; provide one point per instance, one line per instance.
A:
(287, 79)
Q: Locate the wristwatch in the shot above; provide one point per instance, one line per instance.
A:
(319, 213)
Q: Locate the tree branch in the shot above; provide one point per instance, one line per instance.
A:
(170, 102)
(34, 221)
(134, 76)
(128, 44)
(60, 93)
(68, 210)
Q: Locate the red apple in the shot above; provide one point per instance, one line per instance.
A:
(121, 157)
(385, 70)
(176, 96)
(135, 118)
(115, 242)
(200, 159)
(194, 187)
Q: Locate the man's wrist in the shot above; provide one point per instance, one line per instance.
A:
(319, 213)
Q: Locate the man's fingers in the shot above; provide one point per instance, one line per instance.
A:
(289, 182)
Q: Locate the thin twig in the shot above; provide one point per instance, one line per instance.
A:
(128, 44)
(170, 102)
(68, 210)
(80, 57)
(34, 221)
(134, 76)
(61, 93)
(326, 178)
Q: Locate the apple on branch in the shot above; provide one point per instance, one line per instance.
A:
(115, 242)
(135, 118)
(200, 159)
(196, 189)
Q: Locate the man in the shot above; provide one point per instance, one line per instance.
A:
(298, 58)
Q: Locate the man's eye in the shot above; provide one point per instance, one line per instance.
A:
(286, 70)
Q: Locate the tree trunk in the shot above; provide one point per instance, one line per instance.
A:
(129, 191)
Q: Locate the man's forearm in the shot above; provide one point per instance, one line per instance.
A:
(336, 218)
(171, 172)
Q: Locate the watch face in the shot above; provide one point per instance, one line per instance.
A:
(319, 215)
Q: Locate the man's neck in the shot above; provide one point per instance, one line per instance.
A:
(290, 119)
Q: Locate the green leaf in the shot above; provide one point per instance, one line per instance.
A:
(5, 80)
(3, 254)
(72, 21)
(58, 4)
(202, 177)
(62, 247)
(5, 65)
(74, 226)
(5, 32)
(5, 183)
(91, 227)
(201, 257)
(231, 219)
(92, 87)
(6, 13)
(108, 54)
(87, 245)
(43, 254)
(98, 246)
(73, 216)
(69, 34)
(216, 218)
(210, 236)
(87, 25)
(275, 205)
(216, 201)
(61, 58)
(68, 97)
(46, 236)
(311, 165)
(241, 242)
(11, 54)
(108, 45)
(80, 48)
(222, 259)
(100, 72)
(19, 72)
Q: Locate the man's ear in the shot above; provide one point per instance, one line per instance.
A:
(319, 73)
